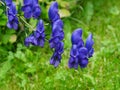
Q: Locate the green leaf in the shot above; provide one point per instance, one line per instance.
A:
(3, 22)
(5, 39)
(13, 38)
(114, 10)
(1, 11)
(64, 13)
(5, 68)
(89, 11)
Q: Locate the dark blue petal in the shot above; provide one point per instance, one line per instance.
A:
(8, 2)
(9, 25)
(53, 12)
(74, 51)
(12, 9)
(36, 12)
(40, 26)
(76, 36)
(59, 23)
(83, 52)
(59, 48)
(27, 11)
(90, 54)
(89, 44)
(15, 25)
(56, 63)
(34, 2)
(27, 2)
(41, 42)
(83, 63)
(10, 17)
(73, 62)
(55, 59)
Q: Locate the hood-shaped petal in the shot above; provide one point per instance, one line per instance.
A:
(8, 2)
(53, 11)
(27, 2)
(83, 52)
(74, 51)
(12, 9)
(83, 63)
(40, 26)
(76, 36)
(89, 42)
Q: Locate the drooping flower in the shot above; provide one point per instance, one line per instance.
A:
(8, 2)
(31, 8)
(57, 34)
(12, 15)
(37, 38)
(53, 12)
(80, 53)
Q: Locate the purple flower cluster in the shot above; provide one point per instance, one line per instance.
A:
(12, 15)
(57, 34)
(37, 38)
(80, 53)
(31, 8)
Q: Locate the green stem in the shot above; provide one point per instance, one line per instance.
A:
(2, 3)
(27, 24)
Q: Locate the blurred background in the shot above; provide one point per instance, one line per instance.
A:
(28, 68)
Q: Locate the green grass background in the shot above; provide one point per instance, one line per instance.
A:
(23, 68)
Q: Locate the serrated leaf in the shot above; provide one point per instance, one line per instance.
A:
(5, 68)
(64, 13)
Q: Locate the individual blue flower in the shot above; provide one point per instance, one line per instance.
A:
(12, 15)
(89, 45)
(56, 58)
(53, 12)
(8, 2)
(80, 53)
(57, 34)
(37, 38)
(31, 8)
(73, 61)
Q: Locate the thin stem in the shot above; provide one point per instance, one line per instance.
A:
(26, 22)
(2, 3)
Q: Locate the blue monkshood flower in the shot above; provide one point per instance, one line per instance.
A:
(89, 45)
(12, 15)
(31, 8)
(37, 38)
(56, 58)
(53, 12)
(8, 2)
(57, 34)
(80, 53)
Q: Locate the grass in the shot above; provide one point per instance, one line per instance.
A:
(31, 70)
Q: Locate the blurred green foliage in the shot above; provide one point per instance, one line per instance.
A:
(27, 68)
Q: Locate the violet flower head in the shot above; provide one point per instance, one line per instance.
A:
(37, 38)
(12, 15)
(31, 8)
(89, 45)
(80, 53)
(8, 2)
(57, 34)
(53, 12)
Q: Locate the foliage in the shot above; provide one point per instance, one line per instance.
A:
(28, 68)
